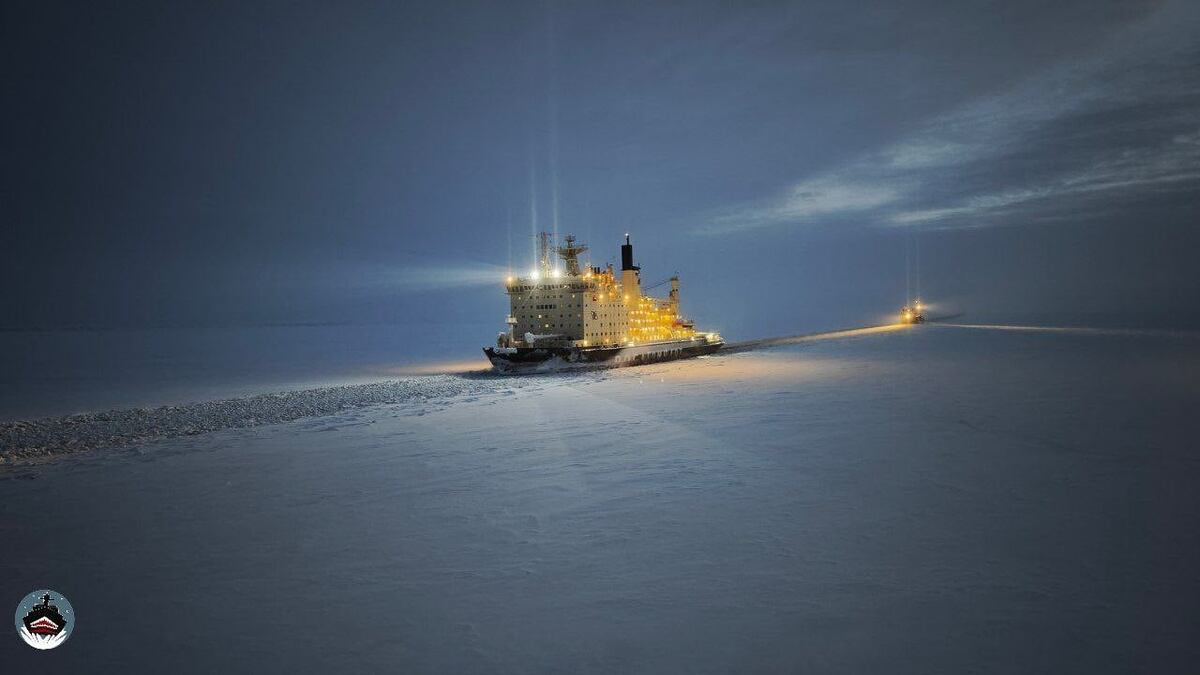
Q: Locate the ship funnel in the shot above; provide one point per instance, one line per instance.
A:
(627, 255)
(630, 283)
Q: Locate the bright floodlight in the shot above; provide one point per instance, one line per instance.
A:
(535, 274)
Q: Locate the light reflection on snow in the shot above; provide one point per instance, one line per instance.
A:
(437, 368)
(1082, 330)
(745, 368)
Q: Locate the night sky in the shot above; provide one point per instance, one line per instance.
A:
(254, 162)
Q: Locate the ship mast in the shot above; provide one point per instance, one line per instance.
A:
(544, 263)
(570, 255)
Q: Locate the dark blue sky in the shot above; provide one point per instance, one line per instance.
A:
(215, 163)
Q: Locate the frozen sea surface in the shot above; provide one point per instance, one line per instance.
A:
(54, 373)
(937, 499)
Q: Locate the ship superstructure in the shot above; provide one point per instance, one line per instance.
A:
(579, 314)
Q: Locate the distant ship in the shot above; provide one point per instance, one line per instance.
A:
(45, 619)
(576, 317)
(914, 313)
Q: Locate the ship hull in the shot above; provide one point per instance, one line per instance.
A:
(548, 359)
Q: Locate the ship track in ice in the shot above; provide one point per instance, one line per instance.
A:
(41, 440)
(37, 441)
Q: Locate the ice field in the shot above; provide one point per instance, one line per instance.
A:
(934, 499)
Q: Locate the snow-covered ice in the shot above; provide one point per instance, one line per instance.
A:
(25, 442)
(936, 499)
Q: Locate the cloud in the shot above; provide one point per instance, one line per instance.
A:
(1115, 124)
(809, 200)
(1175, 162)
(923, 154)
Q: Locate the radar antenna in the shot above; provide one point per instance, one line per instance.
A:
(570, 254)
